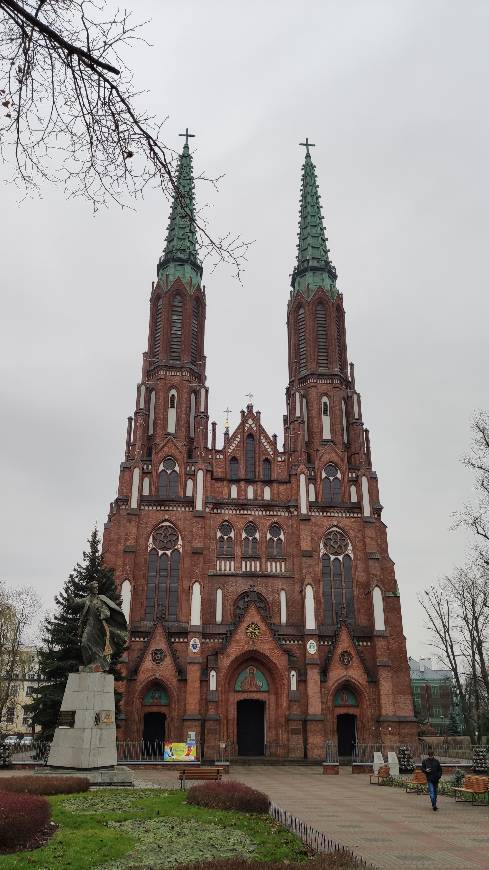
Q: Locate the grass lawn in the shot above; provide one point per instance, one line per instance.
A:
(123, 829)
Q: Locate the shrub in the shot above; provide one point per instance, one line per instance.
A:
(45, 784)
(23, 817)
(229, 795)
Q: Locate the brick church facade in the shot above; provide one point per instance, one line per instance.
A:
(260, 594)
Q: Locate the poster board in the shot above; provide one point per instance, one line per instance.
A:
(180, 751)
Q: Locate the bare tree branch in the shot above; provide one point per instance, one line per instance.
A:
(71, 115)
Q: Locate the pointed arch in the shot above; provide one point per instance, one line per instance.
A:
(378, 605)
(152, 405)
(194, 338)
(337, 577)
(233, 468)
(195, 604)
(250, 456)
(321, 337)
(172, 412)
(331, 485)
(301, 340)
(156, 337)
(168, 478)
(309, 609)
(163, 572)
(176, 329)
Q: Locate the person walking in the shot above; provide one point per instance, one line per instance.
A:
(432, 768)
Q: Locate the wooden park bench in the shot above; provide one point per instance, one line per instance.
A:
(208, 773)
(475, 786)
(418, 783)
(380, 777)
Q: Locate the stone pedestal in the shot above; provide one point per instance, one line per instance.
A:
(85, 736)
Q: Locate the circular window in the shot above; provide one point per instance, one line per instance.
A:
(250, 530)
(225, 529)
(165, 538)
(275, 531)
(330, 471)
(169, 464)
(336, 543)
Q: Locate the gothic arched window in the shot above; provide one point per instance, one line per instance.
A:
(225, 540)
(233, 468)
(250, 457)
(301, 340)
(250, 540)
(176, 329)
(194, 343)
(339, 340)
(321, 337)
(266, 469)
(331, 485)
(156, 338)
(168, 479)
(337, 574)
(163, 574)
(275, 541)
(251, 597)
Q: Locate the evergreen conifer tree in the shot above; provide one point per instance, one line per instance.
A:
(60, 653)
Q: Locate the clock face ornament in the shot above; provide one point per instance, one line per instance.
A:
(195, 645)
(253, 630)
(312, 647)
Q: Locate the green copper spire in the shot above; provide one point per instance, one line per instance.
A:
(180, 258)
(314, 268)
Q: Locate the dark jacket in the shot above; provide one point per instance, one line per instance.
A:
(432, 768)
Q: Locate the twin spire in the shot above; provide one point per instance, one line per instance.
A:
(180, 258)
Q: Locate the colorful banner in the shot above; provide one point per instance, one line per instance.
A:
(180, 751)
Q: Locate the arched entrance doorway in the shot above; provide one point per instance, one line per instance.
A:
(154, 727)
(346, 729)
(251, 727)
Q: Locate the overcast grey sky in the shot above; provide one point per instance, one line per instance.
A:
(395, 97)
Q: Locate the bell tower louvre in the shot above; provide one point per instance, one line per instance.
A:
(261, 599)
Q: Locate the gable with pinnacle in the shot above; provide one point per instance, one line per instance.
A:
(345, 662)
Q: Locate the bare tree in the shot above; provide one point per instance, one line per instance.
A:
(444, 627)
(476, 514)
(71, 113)
(18, 608)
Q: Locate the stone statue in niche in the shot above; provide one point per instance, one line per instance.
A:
(103, 626)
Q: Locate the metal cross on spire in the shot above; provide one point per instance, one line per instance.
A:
(227, 411)
(187, 135)
(249, 396)
(307, 145)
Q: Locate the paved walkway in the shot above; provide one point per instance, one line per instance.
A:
(386, 826)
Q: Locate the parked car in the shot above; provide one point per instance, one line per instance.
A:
(11, 739)
(26, 740)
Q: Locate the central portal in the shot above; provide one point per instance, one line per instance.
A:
(346, 724)
(154, 734)
(251, 727)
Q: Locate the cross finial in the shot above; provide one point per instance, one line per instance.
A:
(249, 396)
(187, 135)
(307, 145)
(227, 412)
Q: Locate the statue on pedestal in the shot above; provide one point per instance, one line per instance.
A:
(101, 623)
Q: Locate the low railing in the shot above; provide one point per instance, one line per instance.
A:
(316, 840)
(331, 752)
(147, 751)
(22, 752)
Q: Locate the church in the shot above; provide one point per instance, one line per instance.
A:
(262, 602)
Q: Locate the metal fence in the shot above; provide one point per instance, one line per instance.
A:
(314, 839)
(331, 752)
(24, 752)
(146, 751)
